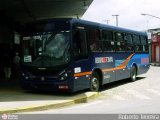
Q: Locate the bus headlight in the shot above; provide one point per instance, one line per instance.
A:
(63, 76)
(23, 74)
(66, 75)
(26, 77)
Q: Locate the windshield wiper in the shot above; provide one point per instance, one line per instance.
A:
(49, 39)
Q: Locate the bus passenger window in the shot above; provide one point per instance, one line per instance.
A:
(145, 48)
(123, 46)
(108, 46)
(128, 42)
(144, 43)
(128, 38)
(118, 46)
(136, 48)
(93, 47)
(107, 38)
(119, 37)
(107, 35)
(129, 47)
(136, 40)
(137, 43)
(94, 40)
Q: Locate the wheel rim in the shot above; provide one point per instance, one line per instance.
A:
(134, 74)
(95, 84)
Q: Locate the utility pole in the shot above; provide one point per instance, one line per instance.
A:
(107, 21)
(116, 19)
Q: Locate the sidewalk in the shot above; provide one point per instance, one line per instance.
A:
(13, 99)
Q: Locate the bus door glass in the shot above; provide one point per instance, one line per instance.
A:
(80, 51)
(80, 44)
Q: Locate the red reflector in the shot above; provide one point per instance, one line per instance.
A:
(63, 86)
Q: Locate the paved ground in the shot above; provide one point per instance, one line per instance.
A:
(13, 99)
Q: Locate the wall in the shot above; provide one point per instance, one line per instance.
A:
(6, 35)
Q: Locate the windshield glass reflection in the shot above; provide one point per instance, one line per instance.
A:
(48, 49)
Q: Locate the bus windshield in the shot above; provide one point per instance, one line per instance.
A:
(47, 49)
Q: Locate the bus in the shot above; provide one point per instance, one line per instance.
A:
(68, 54)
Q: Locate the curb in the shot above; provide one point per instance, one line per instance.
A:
(52, 105)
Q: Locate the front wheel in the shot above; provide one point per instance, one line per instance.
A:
(94, 86)
(133, 74)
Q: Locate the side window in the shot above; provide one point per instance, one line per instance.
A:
(137, 43)
(119, 37)
(136, 40)
(107, 35)
(80, 43)
(95, 43)
(144, 44)
(128, 38)
(120, 43)
(128, 42)
(107, 40)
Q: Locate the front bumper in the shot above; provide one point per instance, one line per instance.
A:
(45, 84)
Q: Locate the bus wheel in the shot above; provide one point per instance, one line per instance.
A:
(133, 74)
(94, 86)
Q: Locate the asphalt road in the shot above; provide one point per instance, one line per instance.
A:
(123, 97)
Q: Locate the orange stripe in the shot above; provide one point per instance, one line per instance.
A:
(112, 69)
(82, 74)
(124, 64)
(121, 66)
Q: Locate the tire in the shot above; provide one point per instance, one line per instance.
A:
(133, 73)
(95, 82)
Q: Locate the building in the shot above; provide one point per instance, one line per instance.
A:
(14, 13)
(155, 46)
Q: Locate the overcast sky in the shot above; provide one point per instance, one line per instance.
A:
(129, 12)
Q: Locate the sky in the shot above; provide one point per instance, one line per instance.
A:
(129, 12)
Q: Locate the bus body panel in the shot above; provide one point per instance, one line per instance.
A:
(114, 65)
(104, 61)
(81, 78)
(141, 60)
(45, 82)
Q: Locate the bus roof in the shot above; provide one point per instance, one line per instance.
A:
(109, 27)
